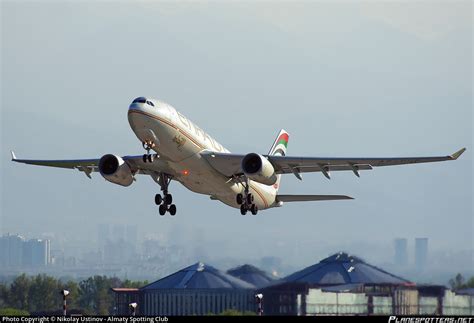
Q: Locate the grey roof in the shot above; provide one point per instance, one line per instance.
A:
(251, 274)
(199, 276)
(342, 268)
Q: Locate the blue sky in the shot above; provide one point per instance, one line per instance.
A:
(344, 79)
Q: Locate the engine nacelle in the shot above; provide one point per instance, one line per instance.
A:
(115, 170)
(258, 168)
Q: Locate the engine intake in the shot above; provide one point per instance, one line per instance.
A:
(258, 168)
(115, 170)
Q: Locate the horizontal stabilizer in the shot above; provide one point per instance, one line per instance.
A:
(302, 198)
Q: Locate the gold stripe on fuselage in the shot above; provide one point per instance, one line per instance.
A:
(169, 124)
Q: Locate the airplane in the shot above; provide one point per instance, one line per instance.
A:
(183, 152)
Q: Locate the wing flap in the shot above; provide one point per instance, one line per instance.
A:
(303, 198)
(288, 168)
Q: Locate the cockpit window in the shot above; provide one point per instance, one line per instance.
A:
(143, 100)
(139, 100)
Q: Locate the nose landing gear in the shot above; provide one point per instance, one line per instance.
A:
(148, 145)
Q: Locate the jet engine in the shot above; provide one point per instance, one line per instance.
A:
(115, 170)
(258, 168)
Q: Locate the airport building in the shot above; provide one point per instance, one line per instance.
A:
(346, 285)
(338, 285)
(199, 289)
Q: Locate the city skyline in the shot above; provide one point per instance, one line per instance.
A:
(151, 258)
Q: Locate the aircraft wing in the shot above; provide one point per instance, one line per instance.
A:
(302, 198)
(230, 164)
(88, 166)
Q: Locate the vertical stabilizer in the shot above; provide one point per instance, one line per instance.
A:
(279, 149)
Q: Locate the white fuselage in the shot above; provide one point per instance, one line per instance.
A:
(179, 142)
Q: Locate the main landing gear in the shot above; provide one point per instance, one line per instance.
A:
(148, 145)
(246, 202)
(165, 201)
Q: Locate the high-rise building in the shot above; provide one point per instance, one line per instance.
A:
(17, 252)
(401, 252)
(421, 253)
(36, 253)
(11, 250)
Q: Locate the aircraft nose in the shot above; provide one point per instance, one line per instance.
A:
(148, 106)
(138, 104)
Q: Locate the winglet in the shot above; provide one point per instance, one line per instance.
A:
(457, 154)
(13, 155)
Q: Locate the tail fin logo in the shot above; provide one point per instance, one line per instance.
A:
(281, 144)
(283, 139)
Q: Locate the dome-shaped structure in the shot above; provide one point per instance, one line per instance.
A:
(199, 276)
(343, 268)
(251, 274)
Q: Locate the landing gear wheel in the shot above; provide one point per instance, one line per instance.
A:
(172, 209)
(144, 157)
(165, 199)
(168, 199)
(162, 209)
(250, 199)
(151, 158)
(254, 209)
(240, 199)
(243, 209)
(158, 199)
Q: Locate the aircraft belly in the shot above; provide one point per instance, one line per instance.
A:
(206, 180)
(197, 175)
(201, 183)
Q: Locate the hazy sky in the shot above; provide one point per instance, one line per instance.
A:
(344, 79)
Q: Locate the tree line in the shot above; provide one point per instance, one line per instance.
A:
(41, 293)
(459, 282)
